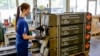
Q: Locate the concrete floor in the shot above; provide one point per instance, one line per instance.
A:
(95, 46)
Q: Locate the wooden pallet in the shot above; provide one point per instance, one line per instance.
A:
(96, 34)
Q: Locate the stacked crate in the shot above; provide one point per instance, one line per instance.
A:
(53, 37)
(69, 33)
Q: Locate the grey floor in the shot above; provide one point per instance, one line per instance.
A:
(95, 46)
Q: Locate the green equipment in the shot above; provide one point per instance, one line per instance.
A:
(1, 33)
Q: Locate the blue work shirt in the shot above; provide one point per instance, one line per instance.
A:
(21, 43)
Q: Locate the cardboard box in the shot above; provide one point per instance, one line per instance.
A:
(95, 28)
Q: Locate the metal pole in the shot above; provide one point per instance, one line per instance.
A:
(17, 3)
(34, 11)
(87, 5)
(76, 6)
(50, 5)
(96, 7)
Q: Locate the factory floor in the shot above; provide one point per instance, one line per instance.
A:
(94, 46)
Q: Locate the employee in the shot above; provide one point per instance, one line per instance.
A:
(22, 30)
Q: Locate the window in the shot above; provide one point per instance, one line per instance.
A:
(92, 7)
(7, 9)
(12, 4)
(73, 5)
(3, 4)
(57, 6)
(78, 5)
(43, 5)
(98, 6)
(81, 5)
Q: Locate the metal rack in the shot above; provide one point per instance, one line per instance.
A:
(7, 50)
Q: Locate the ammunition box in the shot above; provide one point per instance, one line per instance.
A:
(52, 20)
(53, 52)
(71, 18)
(66, 30)
(86, 16)
(71, 50)
(71, 40)
(53, 43)
(71, 30)
(52, 32)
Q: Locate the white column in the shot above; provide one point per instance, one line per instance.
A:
(66, 5)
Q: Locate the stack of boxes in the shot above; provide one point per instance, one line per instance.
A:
(79, 33)
(53, 37)
(69, 33)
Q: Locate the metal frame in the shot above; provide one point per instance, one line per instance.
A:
(17, 3)
(50, 5)
(67, 5)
